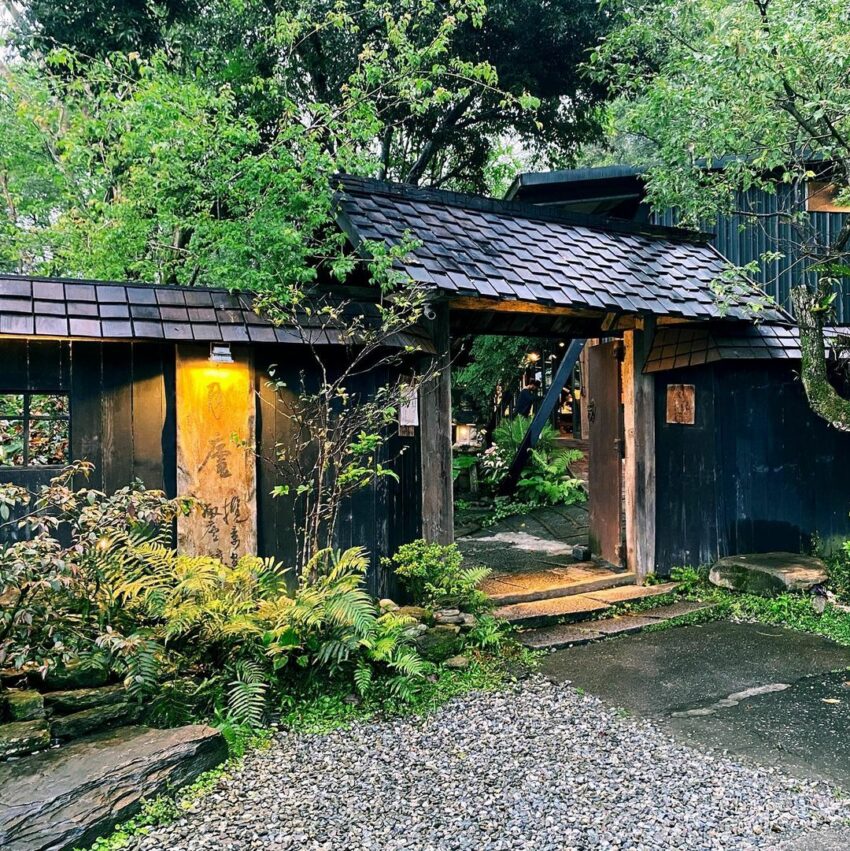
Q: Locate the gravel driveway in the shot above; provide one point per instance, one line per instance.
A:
(538, 766)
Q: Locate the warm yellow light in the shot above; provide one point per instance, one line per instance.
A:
(533, 357)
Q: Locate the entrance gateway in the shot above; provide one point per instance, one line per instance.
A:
(502, 267)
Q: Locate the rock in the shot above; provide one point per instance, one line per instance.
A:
(439, 642)
(452, 616)
(469, 621)
(94, 720)
(768, 573)
(66, 702)
(72, 677)
(581, 552)
(416, 630)
(24, 705)
(67, 797)
(23, 737)
(418, 613)
(457, 663)
(12, 677)
(387, 605)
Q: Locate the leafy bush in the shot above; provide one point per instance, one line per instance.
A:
(462, 463)
(547, 478)
(435, 576)
(96, 580)
(838, 567)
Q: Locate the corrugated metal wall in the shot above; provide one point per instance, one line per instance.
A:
(742, 240)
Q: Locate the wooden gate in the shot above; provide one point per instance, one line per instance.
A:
(605, 474)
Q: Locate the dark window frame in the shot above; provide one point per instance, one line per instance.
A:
(26, 417)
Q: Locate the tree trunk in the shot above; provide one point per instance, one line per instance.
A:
(824, 399)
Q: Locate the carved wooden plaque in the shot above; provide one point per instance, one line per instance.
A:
(681, 404)
(216, 461)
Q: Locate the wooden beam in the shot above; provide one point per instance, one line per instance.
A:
(435, 432)
(516, 306)
(553, 394)
(639, 411)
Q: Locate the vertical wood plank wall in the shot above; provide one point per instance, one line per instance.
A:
(757, 472)
(123, 401)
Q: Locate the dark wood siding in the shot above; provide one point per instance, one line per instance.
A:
(122, 398)
(379, 518)
(757, 472)
(743, 240)
(121, 409)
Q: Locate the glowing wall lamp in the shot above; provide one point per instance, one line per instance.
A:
(220, 353)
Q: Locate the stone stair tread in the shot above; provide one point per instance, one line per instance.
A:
(628, 593)
(529, 586)
(574, 604)
(67, 797)
(574, 634)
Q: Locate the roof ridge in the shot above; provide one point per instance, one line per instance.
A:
(517, 209)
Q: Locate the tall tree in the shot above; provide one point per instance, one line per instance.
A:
(735, 94)
(534, 48)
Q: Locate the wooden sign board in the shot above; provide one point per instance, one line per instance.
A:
(216, 461)
(681, 404)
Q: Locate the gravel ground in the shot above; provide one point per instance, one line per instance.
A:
(538, 766)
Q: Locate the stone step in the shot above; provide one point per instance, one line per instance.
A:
(577, 607)
(65, 798)
(573, 634)
(529, 586)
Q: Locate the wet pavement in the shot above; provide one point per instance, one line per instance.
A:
(763, 693)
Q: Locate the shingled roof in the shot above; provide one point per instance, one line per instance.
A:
(679, 347)
(474, 246)
(54, 307)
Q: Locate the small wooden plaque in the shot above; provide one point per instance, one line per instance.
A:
(681, 404)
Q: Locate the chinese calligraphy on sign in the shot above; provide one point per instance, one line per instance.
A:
(215, 454)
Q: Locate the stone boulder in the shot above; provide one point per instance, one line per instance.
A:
(439, 642)
(23, 737)
(94, 720)
(76, 700)
(24, 705)
(768, 573)
(67, 797)
(72, 677)
(417, 613)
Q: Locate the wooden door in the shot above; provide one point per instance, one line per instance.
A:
(605, 474)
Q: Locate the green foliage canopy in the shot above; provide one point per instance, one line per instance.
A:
(271, 51)
(736, 94)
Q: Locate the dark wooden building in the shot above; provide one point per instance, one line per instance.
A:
(152, 383)
(701, 443)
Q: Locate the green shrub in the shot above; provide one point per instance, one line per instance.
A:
(97, 580)
(838, 568)
(547, 478)
(435, 576)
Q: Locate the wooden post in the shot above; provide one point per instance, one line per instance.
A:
(435, 432)
(639, 412)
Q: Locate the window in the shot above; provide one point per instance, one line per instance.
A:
(821, 198)
(34, 429)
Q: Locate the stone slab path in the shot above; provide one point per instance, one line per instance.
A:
(538, 767)
(540, 540)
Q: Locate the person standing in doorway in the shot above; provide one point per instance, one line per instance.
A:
(527, 399)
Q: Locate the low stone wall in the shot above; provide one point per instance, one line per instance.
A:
(37, 712)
